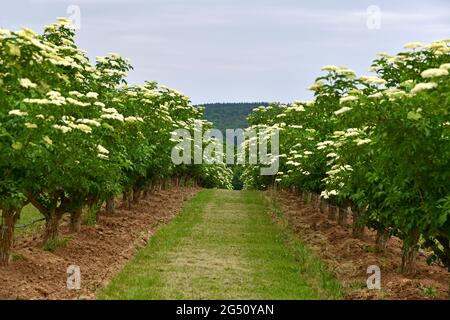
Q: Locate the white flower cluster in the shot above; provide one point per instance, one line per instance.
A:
(112, 114)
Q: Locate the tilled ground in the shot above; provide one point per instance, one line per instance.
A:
(100, 251)
(349, 258)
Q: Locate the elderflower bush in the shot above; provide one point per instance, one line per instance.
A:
(379, 143)
(73, 134)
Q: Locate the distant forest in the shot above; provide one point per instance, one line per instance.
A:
(230, 115)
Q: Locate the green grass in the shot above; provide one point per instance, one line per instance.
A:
(224, 245)
(29, 214)
(55, 244)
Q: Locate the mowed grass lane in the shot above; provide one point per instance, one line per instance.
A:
(224, 245)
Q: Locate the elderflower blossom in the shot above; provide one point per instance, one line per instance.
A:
(63, 129)
(26, 83)
(316, 86)
(101, 149)
(330, 68)
(109, 110)
(76, 94)
(113, 116)
(434, 72)
(346, 71)
(377, 95)
(5, 32)
(17, 112)
(30, 125)
(372, 80)
(342, 110)
(47, 140)
(82, 127)
(360, 142)
(77, 103)
(423, 86)
(89, 122)
(326, 194)
(133, 119)
(413, 45)
(93, 95)
(347, 99)
(332, 155)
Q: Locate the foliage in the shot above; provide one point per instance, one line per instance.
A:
(379, 143)
(73, 134)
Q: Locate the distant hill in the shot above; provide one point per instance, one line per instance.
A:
(230, 115)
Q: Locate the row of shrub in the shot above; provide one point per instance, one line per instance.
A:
(74, 134)
(379, 144)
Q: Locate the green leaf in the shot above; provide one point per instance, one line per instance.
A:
(442, 219)
(412, 115)
(17, 145)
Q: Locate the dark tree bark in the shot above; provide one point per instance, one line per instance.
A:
(136, 195)
(410, 248)
(110, 205)
(9, 218)
(323, 206)
(127, 199)
(381, 240)
(357, 226)
(75, 220)
(52, 225)
(332, 210)
(342, 217)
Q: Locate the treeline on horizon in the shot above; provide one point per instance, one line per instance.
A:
(229, 115)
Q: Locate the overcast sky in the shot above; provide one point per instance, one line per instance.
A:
(239, 50)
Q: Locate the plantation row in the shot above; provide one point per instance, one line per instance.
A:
(73, 135)
(377, 144)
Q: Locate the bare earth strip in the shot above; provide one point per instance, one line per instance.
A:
(100, 251)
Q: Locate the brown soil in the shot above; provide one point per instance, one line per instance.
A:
(349, 258)
(100, 251)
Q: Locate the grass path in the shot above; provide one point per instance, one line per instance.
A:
(224, 245)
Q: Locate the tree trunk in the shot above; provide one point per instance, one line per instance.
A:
(410, 248)
(301, 196)
(357, 226)
(9, 218)
(110, 205)
(75, 220)
(317, 200)
(52, 225)
(323, 206)
(126, 202)
(382, 239)
(136, 195)
(342, 217)
(332, 212)
(313, 200)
